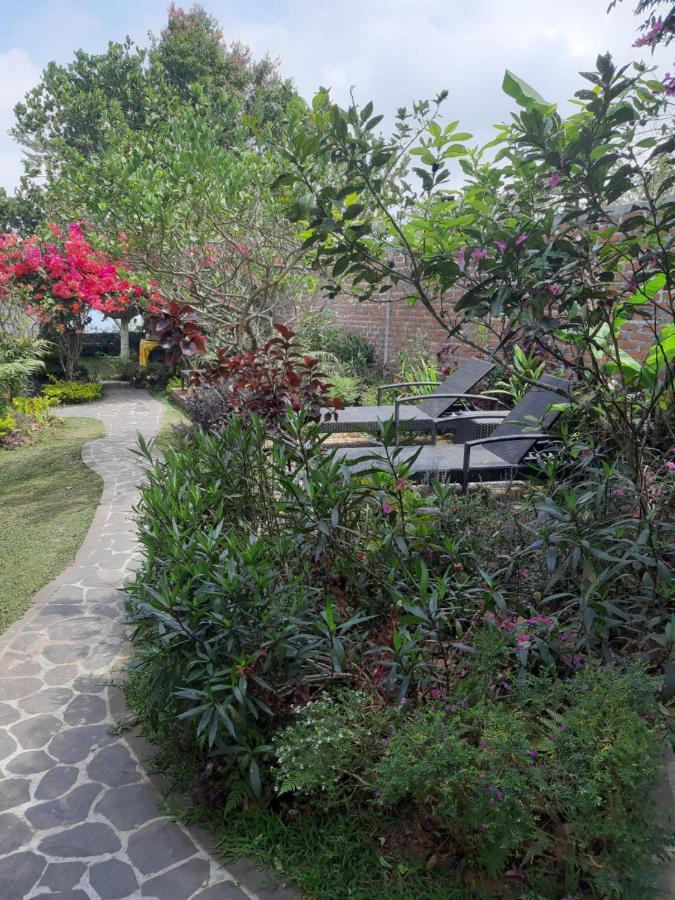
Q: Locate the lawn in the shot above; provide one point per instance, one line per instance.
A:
(47, 501)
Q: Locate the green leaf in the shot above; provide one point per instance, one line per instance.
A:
(521, 91)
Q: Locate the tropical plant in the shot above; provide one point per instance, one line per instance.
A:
(72, 391)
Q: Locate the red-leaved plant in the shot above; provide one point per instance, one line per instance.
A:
(180, 333)
(270, 381)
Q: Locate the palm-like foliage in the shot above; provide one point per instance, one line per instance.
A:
(20, 357)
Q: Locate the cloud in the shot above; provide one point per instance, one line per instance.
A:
(18, 73)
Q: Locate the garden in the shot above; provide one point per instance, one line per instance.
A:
(365, 660)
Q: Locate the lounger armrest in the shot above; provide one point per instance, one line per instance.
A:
(499, 439)
(416, 398)
(401, 384)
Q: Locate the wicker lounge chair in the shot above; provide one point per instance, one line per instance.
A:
(502, 455)
(421, 413)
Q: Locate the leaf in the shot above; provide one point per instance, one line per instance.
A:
(521, 91)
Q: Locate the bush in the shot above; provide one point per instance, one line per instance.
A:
(558, 774)
(7, 423)
(73, 391)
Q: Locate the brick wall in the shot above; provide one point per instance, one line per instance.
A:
(392, 325)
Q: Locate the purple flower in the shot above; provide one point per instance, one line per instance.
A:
(669, 84)
(555, 289)
(521, 239)
(524, 573)
(553, 180)
(436, 693)
(501, 246)
(534, 754)
(500, 795)
(479, 253)
(386, 508)
(618, 492)
(491, 788)
(460, 258)
(670, 465)
(563, 726)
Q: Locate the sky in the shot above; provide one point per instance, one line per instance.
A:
(391, 51)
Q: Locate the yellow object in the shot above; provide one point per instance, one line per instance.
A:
(144, 351)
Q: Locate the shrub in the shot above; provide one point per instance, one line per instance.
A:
(73, 391)
(554, 774)
(7, 423)
(35, 409)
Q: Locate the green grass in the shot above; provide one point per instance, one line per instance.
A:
(47, 501)
(101, 367)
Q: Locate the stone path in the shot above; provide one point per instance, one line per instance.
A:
(78, 816)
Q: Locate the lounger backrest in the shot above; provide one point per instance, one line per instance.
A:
(462, 381)
(533, 413)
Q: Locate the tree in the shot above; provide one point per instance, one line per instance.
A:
(61, 279)
(199, 217)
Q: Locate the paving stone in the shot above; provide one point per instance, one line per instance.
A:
(56, 782)
(90, 839)
(34, 733)
(14, 833)
(60, 675)
(13, 688)
(19, 667)
(179, 883)
(65, 895)
(74, 744)
(75, 630)
(62, 876)
(129, 806)
(85, 709)
(158, 845)
(47, 700)
(30, 762)
(226, 890)
(14, 792)
(7, 744)
(70, 809)
(19, 873)
(85, 684)
(62, 610)
(114, 765)
(8, 714)
(65, 653)
(113, 879)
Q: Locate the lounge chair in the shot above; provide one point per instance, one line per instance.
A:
(503, 454)
(426, 413)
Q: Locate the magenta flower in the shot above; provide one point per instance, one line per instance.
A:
(618, 492)
(501, 246)
(554, 180)
(670, 465)
(534, 754)
(479, 253)
(523, 641)
(401, 483)
(521, 239)
(524, 573)
(555, 289)
(386, 508)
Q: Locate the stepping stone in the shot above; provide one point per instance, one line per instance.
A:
(30, 762)
(70, 809)
(14, 792)
(62, 876)
(14, 833)
(56, 782)
(19, 873)
(179, 883)
(34, 733)
(114, 766)
(113, 879)
(158, 845)
(90, 839)
(129, 806)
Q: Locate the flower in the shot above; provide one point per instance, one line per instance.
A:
(555, 289)
(478, 253)
(386, 508)
(553, 180)
(534, 754)
(524, 573)
(400, 483)
(460, 258)
(670, 465)
(501, 246)
(521, 239)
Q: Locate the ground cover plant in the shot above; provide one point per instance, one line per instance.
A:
(47, 501)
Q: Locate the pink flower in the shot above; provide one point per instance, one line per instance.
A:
(386, 508)
(479, 253)
(501, 245)
(400, 483)
(523, 641)
(555, 289)
(521, 239)
(524, 573)
(553, 180)
(670, 465)
(460, 258)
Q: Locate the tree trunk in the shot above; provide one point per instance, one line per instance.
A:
(124, 338)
